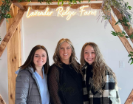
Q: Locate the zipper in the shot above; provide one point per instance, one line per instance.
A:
(37, 84)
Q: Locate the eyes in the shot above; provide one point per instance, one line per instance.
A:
(89, 52)
(36, 55)
(62, 48)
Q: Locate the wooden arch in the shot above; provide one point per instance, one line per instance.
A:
(12, 39)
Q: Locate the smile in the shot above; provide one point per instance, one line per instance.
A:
(65, 54)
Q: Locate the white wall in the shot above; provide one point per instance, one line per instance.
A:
(48, 30)
(3, 67)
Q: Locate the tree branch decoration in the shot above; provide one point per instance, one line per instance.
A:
(124, 9)
(4, 9)
(131, 59)
(120, 5)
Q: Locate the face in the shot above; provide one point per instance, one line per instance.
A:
(40, 58)
(89, 54)
(65, 52)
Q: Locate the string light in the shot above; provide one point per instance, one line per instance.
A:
(61, 12)
(68, 13)
(84, 12)
(37, 13)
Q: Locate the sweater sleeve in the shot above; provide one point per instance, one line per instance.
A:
(111, 90)
(22, 86)
(53, 80)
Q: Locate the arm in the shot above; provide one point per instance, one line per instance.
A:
(111, 90)
(53, 80)
(22, 86)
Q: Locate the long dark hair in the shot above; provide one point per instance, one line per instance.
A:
(29, 62)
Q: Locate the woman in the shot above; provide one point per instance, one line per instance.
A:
(64, 77)
(99, 81)
(31, 83)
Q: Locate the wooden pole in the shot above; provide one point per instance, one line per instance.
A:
(74, 6)
(130, 98)
(11, 31)
(1, 100)
(129, 31)
(118, 29)
(36, 1)
(19, 6)
(13, 54)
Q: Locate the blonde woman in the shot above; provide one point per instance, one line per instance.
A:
(64, 77)
(99, 81)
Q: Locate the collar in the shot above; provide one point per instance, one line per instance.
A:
(30, 68)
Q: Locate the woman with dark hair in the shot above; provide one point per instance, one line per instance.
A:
(64, 77)
(99, 81)
(31, 82)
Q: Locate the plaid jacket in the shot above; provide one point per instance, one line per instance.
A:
(109, 94)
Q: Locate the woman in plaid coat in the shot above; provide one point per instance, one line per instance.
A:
(99, 81)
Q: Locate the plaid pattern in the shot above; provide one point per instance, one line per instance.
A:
(109, 94)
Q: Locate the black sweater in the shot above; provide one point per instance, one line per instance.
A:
(89, 76)
(65, 85)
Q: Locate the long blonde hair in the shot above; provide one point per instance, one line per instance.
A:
(99, 67)
(73, 58)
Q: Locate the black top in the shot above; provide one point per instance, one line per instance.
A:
(89, 73)
(65, 85)
(89, 76)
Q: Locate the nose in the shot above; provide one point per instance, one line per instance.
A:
(89, 55)
(65, 50)
(40, 57)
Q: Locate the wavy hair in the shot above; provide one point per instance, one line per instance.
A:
(99, 67)
(29, 61)
(73, 58)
